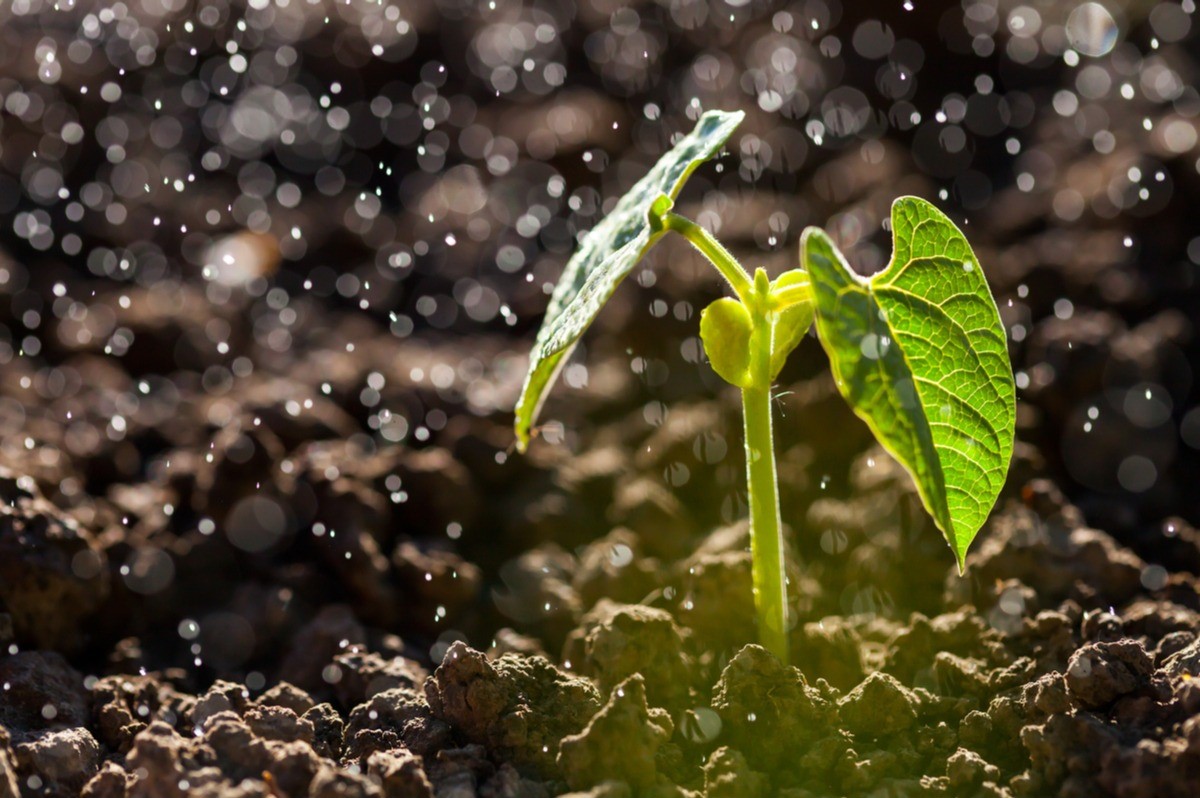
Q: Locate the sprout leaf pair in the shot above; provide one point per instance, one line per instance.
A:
(917, 350)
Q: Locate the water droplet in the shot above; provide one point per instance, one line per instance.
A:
(1092, 30)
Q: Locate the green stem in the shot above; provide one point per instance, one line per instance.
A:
(766, 535)
(712, 249)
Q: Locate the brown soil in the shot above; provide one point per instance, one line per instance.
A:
(263, 534)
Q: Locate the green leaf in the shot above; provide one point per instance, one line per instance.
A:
(606, 255)
(725, 328)
(791, 321)
(919, 352)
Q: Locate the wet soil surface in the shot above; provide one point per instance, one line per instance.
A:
(263, 301)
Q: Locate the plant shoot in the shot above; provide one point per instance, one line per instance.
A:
(917, 350)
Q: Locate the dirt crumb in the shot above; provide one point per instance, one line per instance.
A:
(728, 775)
(518, 706)
(880, 705)
(623, 737)
(756, 692)
(1100, 673)
(401, 774)
(614, 641)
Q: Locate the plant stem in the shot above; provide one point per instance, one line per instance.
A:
(766, 535)
(712, 249)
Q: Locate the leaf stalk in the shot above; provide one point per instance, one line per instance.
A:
(715, 252)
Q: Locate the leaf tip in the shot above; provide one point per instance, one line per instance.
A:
(910, 199)
(808, 233)
(735, 117)
(815, 243)
(805, 236)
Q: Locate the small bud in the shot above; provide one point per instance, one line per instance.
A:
(725, 328)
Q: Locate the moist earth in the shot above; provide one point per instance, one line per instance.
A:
(266, 535)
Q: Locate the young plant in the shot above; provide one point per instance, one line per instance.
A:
(917, 350)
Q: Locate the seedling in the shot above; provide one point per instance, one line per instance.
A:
(917, 350)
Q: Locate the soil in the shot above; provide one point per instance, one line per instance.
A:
(264, 301)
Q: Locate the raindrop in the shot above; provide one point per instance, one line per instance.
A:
(1092, 30)
(148, 570)
(873, 346)
(676, 475)
(1154, 577)
(86, 564)
(1147, 406)
(189, 629)
(620, 555)
(710, 448)
(834, 541)
(1189, 428)
(256, 523)
(1137, 474)
(1012, 602)
(701, 725)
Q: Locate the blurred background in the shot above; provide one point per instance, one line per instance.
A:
(271, 267)
(269, 273)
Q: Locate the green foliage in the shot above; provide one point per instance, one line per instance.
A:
(919, 352)
(725, 328)
(792, 319)
(607, 254)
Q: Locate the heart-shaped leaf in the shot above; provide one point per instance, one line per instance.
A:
(725, 328)
(606, 255)
(919, 352)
